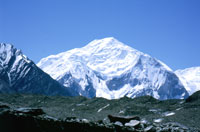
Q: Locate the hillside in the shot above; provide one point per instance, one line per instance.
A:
(96, 109)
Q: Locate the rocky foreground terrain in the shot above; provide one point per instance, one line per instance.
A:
(37, 113)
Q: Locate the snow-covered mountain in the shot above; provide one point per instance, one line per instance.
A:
(110, 69)
(190, 78)
(18, 74)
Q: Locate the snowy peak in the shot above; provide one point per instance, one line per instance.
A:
(110, 69)
(190, 77)
(106, 42)
(110, 57)
(107, 56)
(18, 74)
(8, 52)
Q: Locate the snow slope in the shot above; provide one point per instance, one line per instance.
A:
(110, 69)
(190, 78)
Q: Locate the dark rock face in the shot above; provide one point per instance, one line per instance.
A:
(18, 74)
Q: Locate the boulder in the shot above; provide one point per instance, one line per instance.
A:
(121, 119)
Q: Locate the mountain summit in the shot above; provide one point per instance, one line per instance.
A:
(110, 69)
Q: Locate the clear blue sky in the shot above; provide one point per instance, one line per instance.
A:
(165, 29)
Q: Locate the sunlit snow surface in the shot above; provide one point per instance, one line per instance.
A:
(103, 108)
(107, 56)
(190, 78)
(158, 120)
(102, 62)
(169, 114)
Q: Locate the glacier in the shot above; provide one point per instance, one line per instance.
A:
(110, 69)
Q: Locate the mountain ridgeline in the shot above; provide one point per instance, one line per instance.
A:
(104, 68)
(18, 74)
